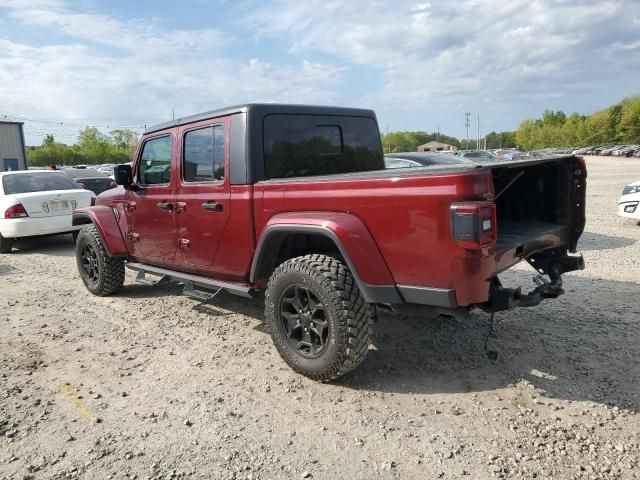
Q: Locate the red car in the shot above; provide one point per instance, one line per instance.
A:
(295, 202)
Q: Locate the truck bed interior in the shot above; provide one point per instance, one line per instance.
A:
(532, 201)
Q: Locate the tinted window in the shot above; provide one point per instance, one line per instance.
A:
(427, 159)
(203, 159)
(37, 182)
(304, 145)
(83, 173)
(155, 162)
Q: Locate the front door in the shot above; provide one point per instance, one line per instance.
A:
(203, 191)
(150, 205)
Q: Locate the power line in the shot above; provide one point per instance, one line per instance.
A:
(68, 124)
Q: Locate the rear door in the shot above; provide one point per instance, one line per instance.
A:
(203, 193)
(150, 206)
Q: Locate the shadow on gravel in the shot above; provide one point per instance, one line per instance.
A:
(56, 245)
(598, 241)
(582, 346)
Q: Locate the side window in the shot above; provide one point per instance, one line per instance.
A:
(306, 145)
(203, 157)
(155, 162)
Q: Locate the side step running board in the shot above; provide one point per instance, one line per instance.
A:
(141, 277)
(193, 281)
(202, 295)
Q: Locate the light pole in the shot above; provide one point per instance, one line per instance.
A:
(467, 124)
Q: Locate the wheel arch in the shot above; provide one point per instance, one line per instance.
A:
(105, 221)
(343, 235)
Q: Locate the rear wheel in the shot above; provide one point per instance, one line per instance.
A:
(317, 317)
(6, 244)
(101, 274)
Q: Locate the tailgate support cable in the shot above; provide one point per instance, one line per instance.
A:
(509, 184)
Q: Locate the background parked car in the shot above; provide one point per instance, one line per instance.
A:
(38, 203)
(477, 155)
(629, 201)
(91, 179)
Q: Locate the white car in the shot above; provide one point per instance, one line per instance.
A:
(629, 202)
(38, 203)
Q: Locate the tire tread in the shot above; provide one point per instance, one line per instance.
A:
(359, 316)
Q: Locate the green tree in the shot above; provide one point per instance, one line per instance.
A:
(628, 129)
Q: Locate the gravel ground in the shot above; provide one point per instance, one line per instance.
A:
(152, 384)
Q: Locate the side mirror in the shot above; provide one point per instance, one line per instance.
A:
(124, 175)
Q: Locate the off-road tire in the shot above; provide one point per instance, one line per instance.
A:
(109, 273)
(6, 244)
(350, 318)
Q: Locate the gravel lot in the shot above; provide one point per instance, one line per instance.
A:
(152, 384)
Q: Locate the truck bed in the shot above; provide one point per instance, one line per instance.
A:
(515, 234)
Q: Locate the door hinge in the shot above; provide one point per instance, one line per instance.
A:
(129, 206)
(134, 237)
(183, 243)
(181, 207)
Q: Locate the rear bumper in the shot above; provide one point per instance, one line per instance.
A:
(552, 262)
(30, 227)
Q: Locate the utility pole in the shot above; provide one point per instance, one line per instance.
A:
(438, 134)
(467, 124)
(173, 113)
(478, 137)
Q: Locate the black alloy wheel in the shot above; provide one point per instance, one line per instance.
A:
(89, 262)
(304, 321)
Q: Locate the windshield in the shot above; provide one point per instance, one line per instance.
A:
(414, 159)
(84, 173)
(37, 182)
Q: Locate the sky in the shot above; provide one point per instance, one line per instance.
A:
(65, 64)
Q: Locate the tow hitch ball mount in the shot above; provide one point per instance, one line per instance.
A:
(554, 263)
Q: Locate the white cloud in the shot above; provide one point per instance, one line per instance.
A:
(447, 54)
(136, 72)
(422, 61)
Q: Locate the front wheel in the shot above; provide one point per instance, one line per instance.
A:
(317, 317)
(101, 274)
(6, 244)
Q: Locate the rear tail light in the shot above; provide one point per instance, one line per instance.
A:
(15, 211)
(93, 201)
(473, 224)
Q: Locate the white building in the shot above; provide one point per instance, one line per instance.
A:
(13, 155)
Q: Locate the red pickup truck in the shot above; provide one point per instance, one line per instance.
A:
(295, 202)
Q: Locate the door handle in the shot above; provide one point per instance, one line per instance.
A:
(165, 205)
(212, 206)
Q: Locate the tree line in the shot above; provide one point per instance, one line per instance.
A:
(92, 148)
(395, 142)
(619, 123)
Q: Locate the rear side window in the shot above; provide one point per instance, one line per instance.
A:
(203, 157)
(306, 145)
(155, 162)
(37, 182)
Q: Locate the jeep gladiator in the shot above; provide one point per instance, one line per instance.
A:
(294, 202)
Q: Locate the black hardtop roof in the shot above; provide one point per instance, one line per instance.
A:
(263, 109)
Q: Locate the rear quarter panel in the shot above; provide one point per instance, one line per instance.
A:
(407, 216)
